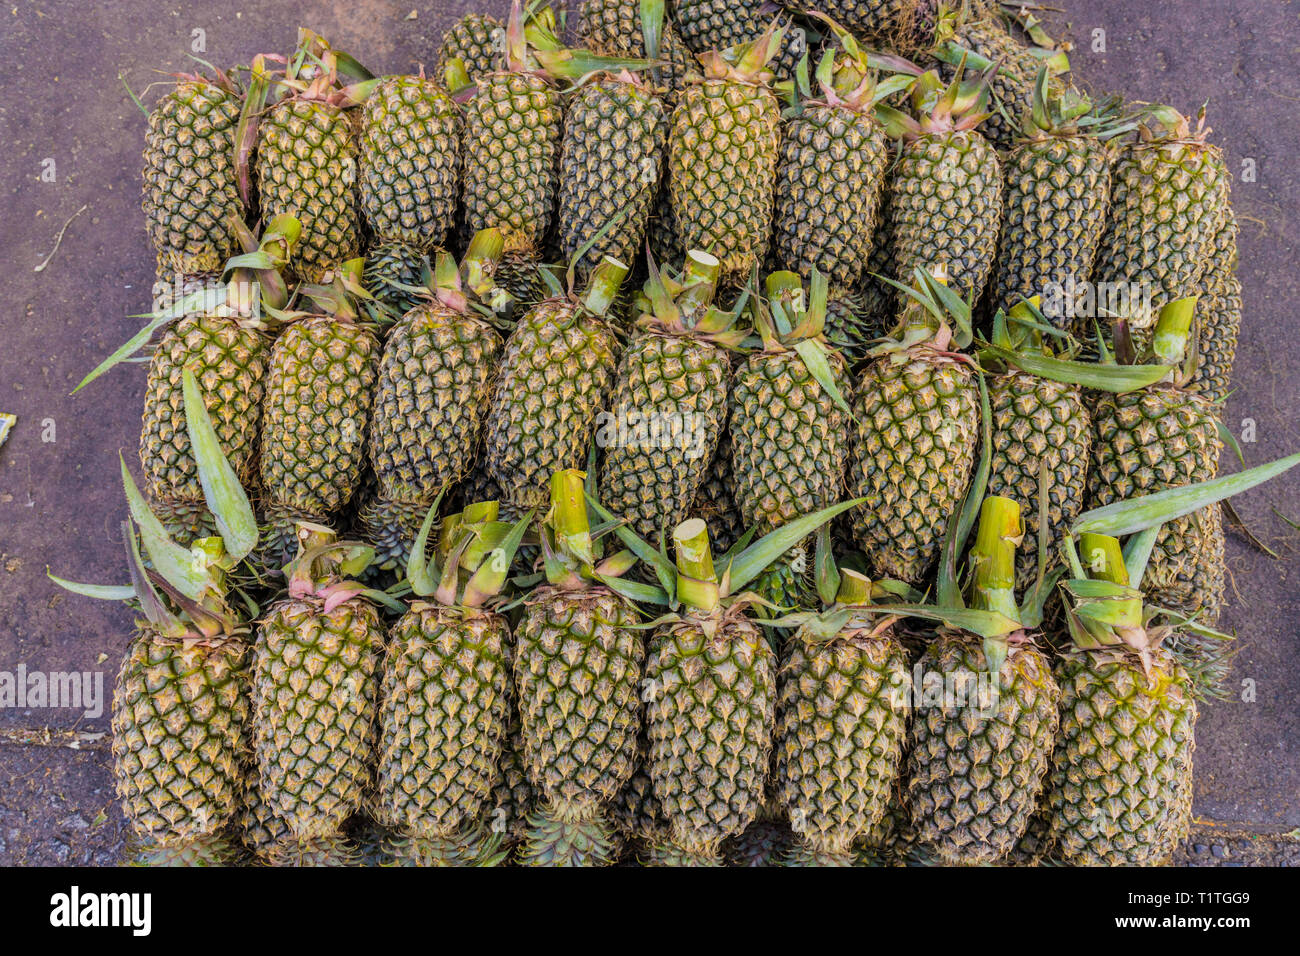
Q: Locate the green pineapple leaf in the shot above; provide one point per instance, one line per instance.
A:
(222, 491)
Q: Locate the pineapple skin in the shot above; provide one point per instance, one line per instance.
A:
(577, 674)
(1168, 204)
(180, 721)
(477, 39)
(1039, 424)
(307, 167)
(611, 153)
(828, 191)
(1120, 788)
(512, 142)
(190, 187)
(555, 375)
(229, 362)
(1218, 316)
(723, 150)
(1148, 441)
(434, 381)
(914, 447)
(1057, 198)
(442, 723)
(709, 723)
(411, 137)
(671, 377)
(316, 414)
(715, 501)
(789, 451)
(974, 780)
(315, 677)
(840, 730)
(946, 209)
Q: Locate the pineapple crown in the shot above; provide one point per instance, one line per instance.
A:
(951, 21)
(1069, 112)
(790, 320)
(935, 318)
(254, 290)
(748, 62)
(1170, 345)
(845, 75)
(472, 560)
(1024, 339)
(1165, 127)
(1106, 613)
(344, 299)
(601, 288)
(324, 567)
(852, 602)
(572, 551)
(681, 303)
(195, 582)
(471, 286)
(960, 106)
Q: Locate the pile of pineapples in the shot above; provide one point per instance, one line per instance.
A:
(636, 451)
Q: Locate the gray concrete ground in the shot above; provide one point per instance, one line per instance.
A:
(60, 498)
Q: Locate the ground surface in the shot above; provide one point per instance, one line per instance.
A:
(60, 499)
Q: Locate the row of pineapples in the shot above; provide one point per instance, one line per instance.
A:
(362, 395)
(492, 711)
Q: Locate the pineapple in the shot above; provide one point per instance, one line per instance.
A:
(715, 502)
(723, 149)
(712, 680)
(555, 377)
(307, 162)
(445, 689)
(669, 400)
(1042, 430)
(433, 384)
(980, 38)
(316, 411)
(1169, 201)
(180, 710)
(394, 273)
(617, 28)
(788, 411)
(577, 668)
(315, 680)
(478, 41)
(976, 765)
(1120, 789)
(915, 434)
(715, 25)
(1161, 437)
(947, 201)
(841, 722)
(1058, 194)
(613, 141)
(226, 344)
(1219, 317)
(831, 173)
(191, 185)
(411, 135)
(763, 843)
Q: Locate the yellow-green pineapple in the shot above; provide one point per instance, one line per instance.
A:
(841, 723)
(307, 159)
(410, 144)
(191, 193)
(554, 379)
(914, 434)
(617, 28)
(432, 389)
(445, 688)
(577, 666)
(1218, 319)
(477, 40)
(669, 401)
(947, 200)
(723, 149)
(979, 753)
(315, 683)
